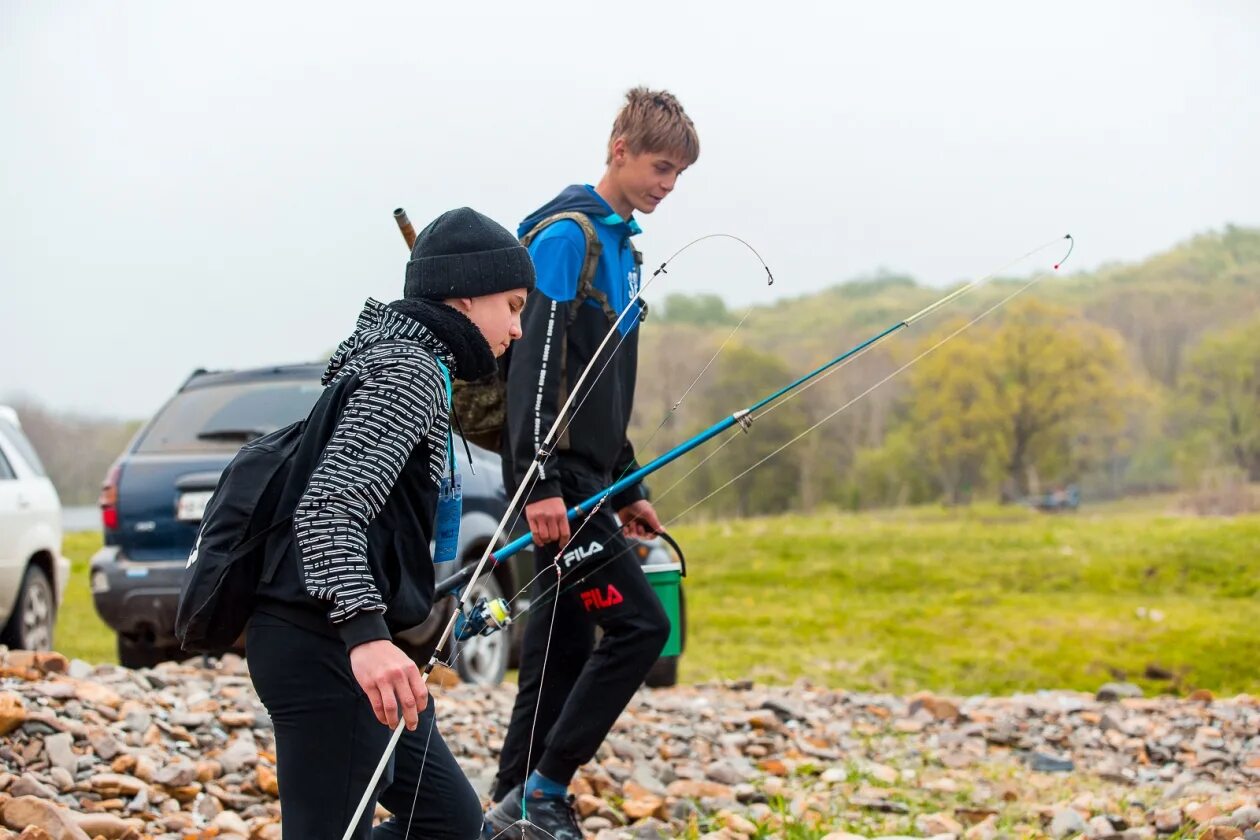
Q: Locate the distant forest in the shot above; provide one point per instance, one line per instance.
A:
(1133, 378)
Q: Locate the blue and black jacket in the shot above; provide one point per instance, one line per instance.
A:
(559, 343)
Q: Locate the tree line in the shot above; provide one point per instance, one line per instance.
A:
(1134, 378)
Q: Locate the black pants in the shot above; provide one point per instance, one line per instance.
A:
(328, 742)
(585, 686)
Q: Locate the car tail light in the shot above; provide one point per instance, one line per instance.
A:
(109, 498)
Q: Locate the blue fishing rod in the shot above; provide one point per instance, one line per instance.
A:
(487, 616)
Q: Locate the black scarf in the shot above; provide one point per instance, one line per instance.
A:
(469, 348)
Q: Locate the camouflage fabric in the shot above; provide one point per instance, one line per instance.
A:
(481, 409)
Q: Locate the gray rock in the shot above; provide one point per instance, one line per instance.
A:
(80, 670)
(1113, 691)
(1118, 822)
(646, 778)
(55, 691)
(681, 810)
(721, 771)
(191, 720)
(886, 806)
(60, 753)
(483, 782)
(240, 754)
(1067, 821)
(1168, 820)
(1245, 817)
(1045, 763)
(208, 807)
(1099, 827)
(650, 829)
(62, 778)
(626, 749)
(785, 709)
(29, 785)
(176, 775)
(38, 728)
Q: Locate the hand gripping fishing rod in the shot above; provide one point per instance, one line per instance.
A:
(744, 418)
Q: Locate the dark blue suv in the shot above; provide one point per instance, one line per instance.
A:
(155, 494)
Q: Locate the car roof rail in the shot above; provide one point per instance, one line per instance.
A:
(11, 415)
(198, 372)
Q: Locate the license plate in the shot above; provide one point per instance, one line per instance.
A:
(191, 507)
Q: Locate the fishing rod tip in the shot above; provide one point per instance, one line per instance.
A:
(769, 277)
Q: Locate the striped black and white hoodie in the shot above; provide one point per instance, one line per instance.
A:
(364, 484)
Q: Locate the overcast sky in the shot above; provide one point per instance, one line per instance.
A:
(211, 184)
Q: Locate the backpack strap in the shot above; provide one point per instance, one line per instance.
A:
(590, 261)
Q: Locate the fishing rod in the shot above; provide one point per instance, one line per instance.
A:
(487, 616)
(485, 609)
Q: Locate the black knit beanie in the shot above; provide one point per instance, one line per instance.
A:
(465, 254)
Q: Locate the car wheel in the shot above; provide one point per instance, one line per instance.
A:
(34, 614)
(483, 660)
(139, 654)
(664, 671)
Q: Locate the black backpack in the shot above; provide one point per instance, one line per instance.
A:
(229, 558)
(481, 405)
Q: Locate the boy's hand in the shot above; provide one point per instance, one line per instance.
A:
(639, 520)
(548, 521)
(391, 680)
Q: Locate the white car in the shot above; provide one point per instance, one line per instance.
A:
(33, 573)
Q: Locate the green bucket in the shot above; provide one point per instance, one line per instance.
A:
(666, 581)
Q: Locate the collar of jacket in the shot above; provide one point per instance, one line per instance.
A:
(436, 327)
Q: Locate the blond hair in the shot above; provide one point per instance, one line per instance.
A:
(654, 121)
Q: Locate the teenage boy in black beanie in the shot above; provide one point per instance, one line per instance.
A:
(374, 466)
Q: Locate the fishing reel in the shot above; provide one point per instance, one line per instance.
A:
(488, 615)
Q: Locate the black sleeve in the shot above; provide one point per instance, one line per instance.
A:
(627, 464)
(384, 420)
(535, 392)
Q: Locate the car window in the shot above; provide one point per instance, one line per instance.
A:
(18, 441)
(221, 418)
(6, 471)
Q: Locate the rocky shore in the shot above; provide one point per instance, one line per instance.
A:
(185, 752)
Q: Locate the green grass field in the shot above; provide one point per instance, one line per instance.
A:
(980, 600)
(80, 631)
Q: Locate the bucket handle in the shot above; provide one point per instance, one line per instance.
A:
(682, 561)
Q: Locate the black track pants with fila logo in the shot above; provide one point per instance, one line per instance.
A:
(586, 684)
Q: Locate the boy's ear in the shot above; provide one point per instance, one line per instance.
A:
(463, 304)
(619, 150)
